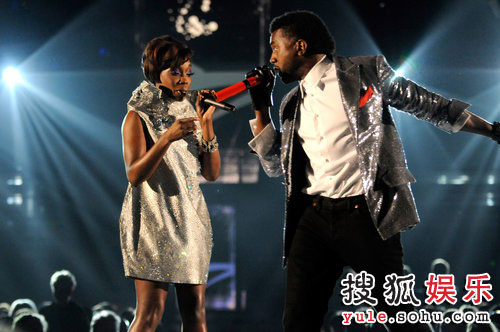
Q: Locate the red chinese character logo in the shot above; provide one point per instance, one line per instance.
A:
(477, 290)
(440, 289)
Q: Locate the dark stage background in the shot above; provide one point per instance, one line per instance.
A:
(62, 178)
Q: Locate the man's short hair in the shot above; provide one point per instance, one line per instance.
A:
(62, 280)
(22, 304)
(31, 322)
(308, 26)
(105, 320)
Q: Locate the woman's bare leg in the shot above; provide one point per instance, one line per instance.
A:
(191, 300)
(151, 296)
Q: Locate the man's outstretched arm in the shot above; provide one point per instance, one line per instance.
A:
(449, 115)
(478, 125)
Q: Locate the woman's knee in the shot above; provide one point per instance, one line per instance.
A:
(194, 313)
(151, 298)
(150, 314)
(193, 308)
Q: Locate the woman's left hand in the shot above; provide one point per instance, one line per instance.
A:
(205, 112)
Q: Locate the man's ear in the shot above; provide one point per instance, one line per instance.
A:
(301, 46)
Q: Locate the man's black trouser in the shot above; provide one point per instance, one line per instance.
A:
(332, 234)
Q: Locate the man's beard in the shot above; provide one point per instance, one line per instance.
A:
(287, 77)
(290, 75)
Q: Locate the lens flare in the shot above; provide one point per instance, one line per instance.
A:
(12, 76)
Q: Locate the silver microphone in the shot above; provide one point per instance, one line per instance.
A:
(192, 95)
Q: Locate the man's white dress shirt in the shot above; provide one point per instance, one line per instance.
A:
(324, 132)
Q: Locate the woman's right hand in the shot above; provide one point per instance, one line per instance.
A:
(181, 128)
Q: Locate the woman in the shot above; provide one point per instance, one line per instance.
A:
(165, 230)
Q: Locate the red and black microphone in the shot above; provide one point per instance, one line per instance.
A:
(228, 92)
(237, 88)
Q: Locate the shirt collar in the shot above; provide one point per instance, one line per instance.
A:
(315, 73)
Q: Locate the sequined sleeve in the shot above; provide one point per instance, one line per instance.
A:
(267, 146)
(409, 97)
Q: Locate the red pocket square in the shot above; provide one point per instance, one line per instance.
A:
(366, 97)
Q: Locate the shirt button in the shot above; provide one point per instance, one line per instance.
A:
(327, 160)
(321, 138)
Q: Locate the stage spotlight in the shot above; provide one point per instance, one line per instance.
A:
(490, 199)
(15, 181)
(12, 76)
(16, 199)
(399, 72)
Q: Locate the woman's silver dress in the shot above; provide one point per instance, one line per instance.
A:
(165, 227)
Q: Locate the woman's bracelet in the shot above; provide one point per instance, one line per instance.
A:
(210, 146)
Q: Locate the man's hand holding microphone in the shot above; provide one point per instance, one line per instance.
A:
(262, 95)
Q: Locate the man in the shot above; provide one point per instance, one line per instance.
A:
(64, 314)
(347, 183)
(105, 321)
(29, 322)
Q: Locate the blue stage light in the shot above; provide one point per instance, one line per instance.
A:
(12, 76)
